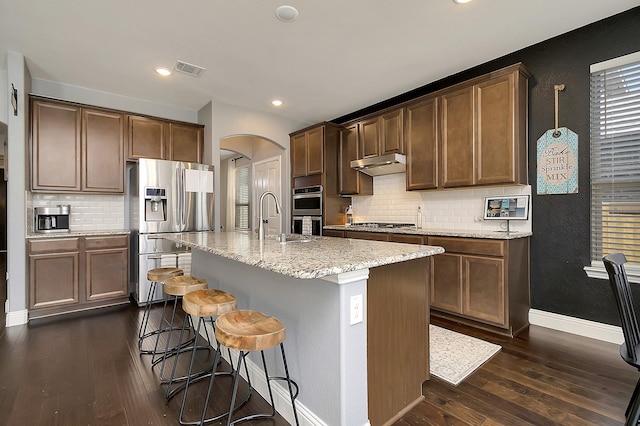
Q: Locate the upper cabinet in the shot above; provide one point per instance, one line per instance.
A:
(163, 140)
(475, 131)
(421, 137)
(147, 138)
(350, 181)
(382, 134)
(75, 148)
(307, 152)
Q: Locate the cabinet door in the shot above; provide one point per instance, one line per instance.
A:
(53, 279)
(55, 154)
(422, 144)
(495, 137)
(351, 181)
(369, 138)
(457, 138)
(446, 282)
(186, 143)
(299, 155)
(147, 138)
(407, 238)
(392, 132)
(103, 151)
(107, 263)
(484, 297)
(315, 151)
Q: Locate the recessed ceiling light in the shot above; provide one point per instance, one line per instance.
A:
(286, 13)
(276, 102)
(461, 1)
(163, 71)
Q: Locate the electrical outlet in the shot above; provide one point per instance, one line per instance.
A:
(355, 310)
(478, 219)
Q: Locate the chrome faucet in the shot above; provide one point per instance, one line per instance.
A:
(278, 208)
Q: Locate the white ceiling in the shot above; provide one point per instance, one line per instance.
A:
(339, 56)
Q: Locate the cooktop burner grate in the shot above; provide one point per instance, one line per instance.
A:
(385, 225)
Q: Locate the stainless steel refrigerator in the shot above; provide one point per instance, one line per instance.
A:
(165, 197)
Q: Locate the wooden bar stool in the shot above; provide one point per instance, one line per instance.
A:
(175, 288)
(247, 331)
(206, 305)
(154, 276)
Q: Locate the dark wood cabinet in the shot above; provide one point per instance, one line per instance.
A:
(351, 181)
(362, 235)
(76, 149)
(54, 273)
(382, 134)
(72, 274)
(307, 152)
(165, 140)
(102, 151)
(482, 282)
(457, 138)
(421, 137)
(147, 138)
(107, 267)
(55, 146)
(186, 142)
(332, 233)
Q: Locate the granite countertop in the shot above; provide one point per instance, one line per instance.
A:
(494, 235)
(303, 257)
(71, 234)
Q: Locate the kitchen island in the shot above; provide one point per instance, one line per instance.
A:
(350, 372)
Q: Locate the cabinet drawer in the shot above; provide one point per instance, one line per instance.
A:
(469, 245)
(405, 238)
(96, 243)
(53, 245)
(376, 236)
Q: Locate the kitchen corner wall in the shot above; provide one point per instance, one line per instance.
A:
(88, 212)
(457, 209)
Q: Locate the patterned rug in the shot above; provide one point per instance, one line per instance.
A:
(454, 356)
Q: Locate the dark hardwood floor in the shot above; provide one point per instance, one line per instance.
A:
(84, 369)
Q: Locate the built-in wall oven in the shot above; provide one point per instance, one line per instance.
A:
(307, 210)
(307, 201)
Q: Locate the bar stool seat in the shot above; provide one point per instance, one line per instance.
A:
(174, 288)
(206, 305)
(154, 276)
(247, 331)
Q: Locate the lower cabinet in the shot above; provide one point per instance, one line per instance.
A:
(485, 282)
(72, 274)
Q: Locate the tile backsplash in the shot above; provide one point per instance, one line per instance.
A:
(460, 209)
(88, 212)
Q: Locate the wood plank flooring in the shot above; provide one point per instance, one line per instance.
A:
(84, 369)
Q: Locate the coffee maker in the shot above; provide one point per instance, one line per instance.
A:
(51, 219)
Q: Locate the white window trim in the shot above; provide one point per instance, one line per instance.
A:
(596, 270)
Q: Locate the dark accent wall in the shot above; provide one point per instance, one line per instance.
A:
(560, 246)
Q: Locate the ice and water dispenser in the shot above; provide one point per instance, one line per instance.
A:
(155, 205)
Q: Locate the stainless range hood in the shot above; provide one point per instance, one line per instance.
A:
(383, 165)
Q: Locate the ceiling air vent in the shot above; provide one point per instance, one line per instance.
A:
(190, 69)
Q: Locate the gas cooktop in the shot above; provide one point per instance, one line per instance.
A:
(384, 225)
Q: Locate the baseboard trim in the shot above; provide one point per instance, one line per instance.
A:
(17, 318)
(581, 327)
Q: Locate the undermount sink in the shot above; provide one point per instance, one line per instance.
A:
(294, 239)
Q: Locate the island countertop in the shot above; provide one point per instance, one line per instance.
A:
(305, 258)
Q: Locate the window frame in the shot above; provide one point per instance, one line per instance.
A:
(596, 269)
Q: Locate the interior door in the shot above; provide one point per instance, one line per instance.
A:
(266, 177)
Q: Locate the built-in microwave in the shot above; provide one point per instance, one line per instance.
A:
(310, 226)
(307, 201)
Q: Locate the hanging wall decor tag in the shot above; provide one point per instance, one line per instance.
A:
(558, 162)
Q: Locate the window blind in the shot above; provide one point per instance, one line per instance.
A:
(242, 197)
(615, 160)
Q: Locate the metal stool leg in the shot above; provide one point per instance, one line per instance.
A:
(142, 332)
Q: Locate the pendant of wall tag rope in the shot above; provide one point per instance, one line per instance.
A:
(558, 158)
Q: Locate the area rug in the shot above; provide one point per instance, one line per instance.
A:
(454, 356)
